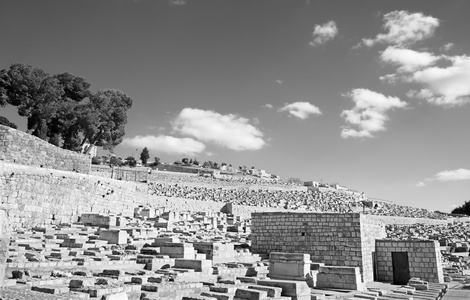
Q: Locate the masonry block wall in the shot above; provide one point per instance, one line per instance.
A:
(333, 239)
(371, 230)
(22, 148)
(36, 196)
(424, 259)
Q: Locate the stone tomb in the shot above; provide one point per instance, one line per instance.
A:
(118, 237)
(398, 261)
(335, 239)
(348, 278)
(289, 266)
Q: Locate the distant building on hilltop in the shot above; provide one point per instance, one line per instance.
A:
(311, 183)
(259, 173)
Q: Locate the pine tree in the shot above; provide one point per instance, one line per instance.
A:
(144, 156)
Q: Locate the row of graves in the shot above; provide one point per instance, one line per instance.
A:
(161, 254)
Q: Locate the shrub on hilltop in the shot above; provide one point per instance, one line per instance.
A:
(464, 209)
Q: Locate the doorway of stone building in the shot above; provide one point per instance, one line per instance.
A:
(374, 267)
(401, 268)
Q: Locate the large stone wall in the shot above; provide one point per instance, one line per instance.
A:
(424, 259)
(36, 196)
(22, 148)
(333, 239)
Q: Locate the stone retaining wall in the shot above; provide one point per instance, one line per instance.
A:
(389, 220)
(36, 196)
(19, 147)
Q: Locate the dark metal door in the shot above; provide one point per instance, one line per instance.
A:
(401, 268)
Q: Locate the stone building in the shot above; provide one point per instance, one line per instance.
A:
(348, 239)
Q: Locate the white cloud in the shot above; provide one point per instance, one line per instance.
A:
(368, 116)
(267, 105)
(404, 28)
(301, 110)
(420, 184)
(453, 175)
(447, 47)
(230, 131)
(390, 78)
(408, 60)
(445, 86)
(177, 2)
(324, 33)
(166, 144)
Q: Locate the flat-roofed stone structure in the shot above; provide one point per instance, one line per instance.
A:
(402, 260)
(289, 266)
(334, 239)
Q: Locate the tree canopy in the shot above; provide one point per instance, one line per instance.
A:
(144, 156)
(464, 209)
(62, 110)
(6, 122)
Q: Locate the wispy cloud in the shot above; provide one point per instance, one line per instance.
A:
(177, 2)
(420, 184)
(324, 33)
(268, 105)
(452, 175)
(448, 175)
(447, 47)
(166, 144)
(408, 60)
(403, 29)
(369, 114)
(230, 131)
(301, 110)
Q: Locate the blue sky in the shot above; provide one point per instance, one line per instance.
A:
(372, 94)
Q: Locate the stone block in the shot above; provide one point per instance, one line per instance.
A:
(198, 265)
(274, 292)
(178, 250)
(218, 296)
(339, 270)
(118, 237)
(4, 242)
(49, 289)
(81, 283)
(281, 256)
(249, 294)
(115, 296)
(289, 288)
